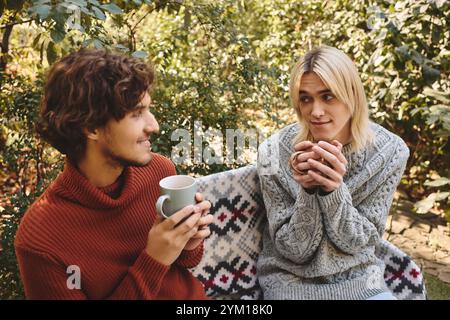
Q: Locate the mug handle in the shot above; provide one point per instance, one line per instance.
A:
(159, 204)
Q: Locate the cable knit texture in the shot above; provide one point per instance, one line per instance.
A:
(75, 223)
(322, 247)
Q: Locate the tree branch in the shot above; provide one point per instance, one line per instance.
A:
(15, 23)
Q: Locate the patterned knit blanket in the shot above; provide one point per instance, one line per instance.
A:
(228, 267)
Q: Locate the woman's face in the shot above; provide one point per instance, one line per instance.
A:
(326, 117)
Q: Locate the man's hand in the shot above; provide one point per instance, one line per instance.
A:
(168, 237)
(203, 232)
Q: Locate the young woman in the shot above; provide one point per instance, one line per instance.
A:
(328, 197)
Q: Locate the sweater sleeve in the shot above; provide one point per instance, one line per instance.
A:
(144, 279)
(190, 258)
(351, 228)
(45, 278)
(295, 224)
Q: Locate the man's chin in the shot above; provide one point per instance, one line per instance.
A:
(135, 163)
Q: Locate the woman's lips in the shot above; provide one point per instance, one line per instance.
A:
(321, 123)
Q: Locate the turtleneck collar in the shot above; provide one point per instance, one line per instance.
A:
(73, 185)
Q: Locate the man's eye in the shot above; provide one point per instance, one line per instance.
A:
(137, 114)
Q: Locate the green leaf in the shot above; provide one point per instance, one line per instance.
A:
(120, 47)
(112, 8)
(430, 73)
(42, 11)
(99, 13)
(140, 54)
(423, 206)
(438, 95)
(51, 53)
(36, 41)
(81, 3)
(98, 44)
(439, 3)
(438, 182)
(86, 43)
(78, 27)
(57, 35)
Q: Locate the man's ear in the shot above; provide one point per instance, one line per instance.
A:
(91, 133)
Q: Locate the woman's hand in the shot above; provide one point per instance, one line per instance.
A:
(300, 166)
(328, 177)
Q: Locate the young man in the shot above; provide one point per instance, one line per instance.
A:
(94, 233)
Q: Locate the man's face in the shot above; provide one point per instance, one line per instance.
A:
(126, 142)
(326, 117)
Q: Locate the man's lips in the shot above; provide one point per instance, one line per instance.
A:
(145, 142)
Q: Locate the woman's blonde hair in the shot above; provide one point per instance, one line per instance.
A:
(340, 75)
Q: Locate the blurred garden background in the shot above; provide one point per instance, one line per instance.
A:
(226, 64)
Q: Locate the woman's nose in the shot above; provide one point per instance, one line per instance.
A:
(317, 110)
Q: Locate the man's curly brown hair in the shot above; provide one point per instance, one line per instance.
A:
(86, 89)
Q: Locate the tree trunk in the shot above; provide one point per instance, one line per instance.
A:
(5, 50)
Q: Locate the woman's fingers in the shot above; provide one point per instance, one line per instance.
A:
(326, 170)
(337, 144)
(305, 180)
(303, 145)
(332, 159)
(334, 150)
(325, 183)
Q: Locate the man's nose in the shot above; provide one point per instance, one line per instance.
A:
(152, 125)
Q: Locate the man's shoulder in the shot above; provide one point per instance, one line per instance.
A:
(39, 216)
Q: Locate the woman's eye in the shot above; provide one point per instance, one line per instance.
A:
(328, 97)
(304, 99)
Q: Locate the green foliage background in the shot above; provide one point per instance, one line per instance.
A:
(226, 64)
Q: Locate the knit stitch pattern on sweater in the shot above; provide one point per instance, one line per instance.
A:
(323, 246)
(76, 224)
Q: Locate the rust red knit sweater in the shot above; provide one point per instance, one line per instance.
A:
(75, 223)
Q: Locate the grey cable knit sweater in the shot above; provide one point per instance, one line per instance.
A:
(322, 247)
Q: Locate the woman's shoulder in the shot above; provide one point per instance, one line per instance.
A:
(283, 137)
(383, 139)
(273, 152)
